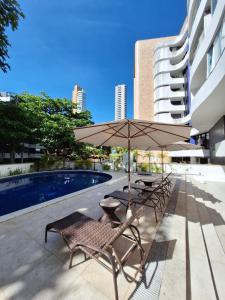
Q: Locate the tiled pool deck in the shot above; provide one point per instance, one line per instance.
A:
(187, 257)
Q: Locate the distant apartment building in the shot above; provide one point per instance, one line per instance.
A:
(120, 102)
(6, 96)
(183, 81)
(79, 99)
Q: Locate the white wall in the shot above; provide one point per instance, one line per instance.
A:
(200, 172)
(5, 169)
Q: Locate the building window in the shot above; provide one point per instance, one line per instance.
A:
(223, 34)
(213, 5)
(216, 49)
(176, 116)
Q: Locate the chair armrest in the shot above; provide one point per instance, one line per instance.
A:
(125, 188)
(138, 180)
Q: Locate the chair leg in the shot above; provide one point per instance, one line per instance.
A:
(71, 260)
(155, 215)
(115, 282)
(46, 233)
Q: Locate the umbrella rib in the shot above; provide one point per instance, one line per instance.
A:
(184, 137)
(121, 134)
(137, 134)
(95, 132)
(99, 125)
(146, 134)
(113, 135)
(118, 134)
(143, 123)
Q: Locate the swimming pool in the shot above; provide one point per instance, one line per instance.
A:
(19, 192)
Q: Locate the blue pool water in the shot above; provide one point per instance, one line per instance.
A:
(22, 191)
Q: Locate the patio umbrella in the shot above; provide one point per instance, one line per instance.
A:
(132, 134)
(177, 146)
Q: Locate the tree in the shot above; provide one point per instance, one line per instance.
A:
(10, 13)
(55, 123)
(44, 120)
(16, 127)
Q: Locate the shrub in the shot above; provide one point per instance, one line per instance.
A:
(106, 167)
(144, 167)
(15, 172)
(155, 168)
(83, 164)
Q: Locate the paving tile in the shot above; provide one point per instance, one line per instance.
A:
(95, 273)
(23, 255)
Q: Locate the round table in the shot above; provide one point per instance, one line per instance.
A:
(109, 205)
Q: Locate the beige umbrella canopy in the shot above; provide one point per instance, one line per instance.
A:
(132, 134)
(142, 134)
(176, 147)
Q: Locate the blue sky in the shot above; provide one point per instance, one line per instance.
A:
(89, 42)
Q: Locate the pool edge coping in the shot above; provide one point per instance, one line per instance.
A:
(32, 208)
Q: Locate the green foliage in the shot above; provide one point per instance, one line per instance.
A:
(47, 162)
(10, 13)
(15, 172)
(144, 167)
(155, 168)
(56, 122)
(83, 164)
(17, 127)
(44, 120)
(106, 167)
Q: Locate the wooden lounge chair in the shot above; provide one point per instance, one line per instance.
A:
(96, 239)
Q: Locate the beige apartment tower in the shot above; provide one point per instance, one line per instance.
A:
(144, 78)
(79, 98)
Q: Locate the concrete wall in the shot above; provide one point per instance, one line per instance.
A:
(5, 169)
(144, 78)
(201, 172)
(217, 135)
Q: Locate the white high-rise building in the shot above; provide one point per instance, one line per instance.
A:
(188, 76)
(120, 102)
(79, 98)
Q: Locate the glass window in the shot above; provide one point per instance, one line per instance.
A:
(223, 35)
(213, 5)
(216, 50)
(209, 60)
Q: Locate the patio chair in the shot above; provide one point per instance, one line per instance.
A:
(96, 239)
(161, 191)
(150, 199)
(162, 187)
(155, 181)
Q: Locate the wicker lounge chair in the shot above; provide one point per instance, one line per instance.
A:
(162, 187)
(150, 198)
(155, 181)
(95, 239)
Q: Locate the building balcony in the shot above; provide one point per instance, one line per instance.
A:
(168, 118)
(166, 79)
(208, 103)
(177, 42)
(166, 67)
(174, 56)
(198, 73)
(196, 16)
(167, 106)
(165, 92)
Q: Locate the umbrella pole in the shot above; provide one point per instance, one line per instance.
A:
(128, 155)
(162, 162)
